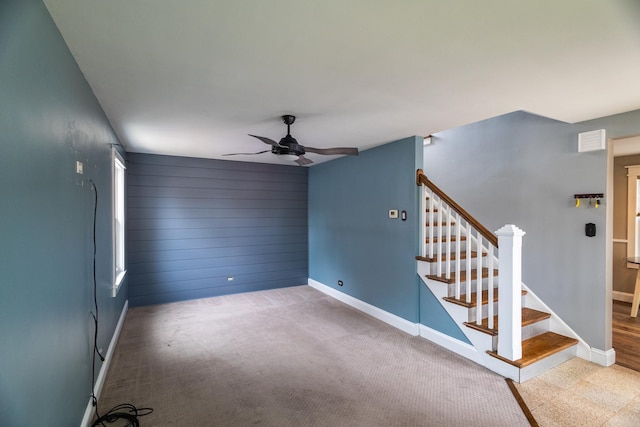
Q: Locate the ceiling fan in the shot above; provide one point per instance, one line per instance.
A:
(289, 145)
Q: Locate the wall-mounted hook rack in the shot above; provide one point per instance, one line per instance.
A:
(590, 196)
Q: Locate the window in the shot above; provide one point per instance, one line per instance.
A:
(118, 222)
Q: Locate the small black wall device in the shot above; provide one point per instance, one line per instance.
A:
(590, 229)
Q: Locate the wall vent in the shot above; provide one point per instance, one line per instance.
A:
(592, 141)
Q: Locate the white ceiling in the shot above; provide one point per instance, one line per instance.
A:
(194, 77)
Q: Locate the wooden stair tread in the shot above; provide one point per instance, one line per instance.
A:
(444, 239)
(463, 275)
(539, 347)
(485, 298)
(463, 255)
(529, 317)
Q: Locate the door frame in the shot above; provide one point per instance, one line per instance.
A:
(631, 147)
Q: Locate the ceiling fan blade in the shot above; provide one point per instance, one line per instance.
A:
(330, 151)
(302, 160)
(266, 140)
(246, 154)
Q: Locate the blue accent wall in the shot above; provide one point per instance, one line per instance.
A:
(434, 315)
(351, 237)
(49, 119)
(192, 223)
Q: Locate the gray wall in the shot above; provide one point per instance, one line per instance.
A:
(192, 223)
(524, 169)
(49, 119)
(618, 126)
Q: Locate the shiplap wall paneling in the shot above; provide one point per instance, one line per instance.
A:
(195, 223)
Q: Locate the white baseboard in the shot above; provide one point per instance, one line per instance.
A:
(102, 375)
(416, 329)
(604, 358)
(622, 296)
(462, 348)
(393, 320)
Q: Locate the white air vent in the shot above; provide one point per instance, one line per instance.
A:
(592, 141)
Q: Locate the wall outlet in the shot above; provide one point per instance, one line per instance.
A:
(79, 167)
(393, 213)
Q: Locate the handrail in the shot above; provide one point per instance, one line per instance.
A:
(421, 179)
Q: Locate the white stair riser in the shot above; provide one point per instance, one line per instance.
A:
(457, 312)
(490, 342)
(474, 283)
(484, 281)
(485, 310)
(535, 329)
(462, 243)
(463, 265)
(481, 341)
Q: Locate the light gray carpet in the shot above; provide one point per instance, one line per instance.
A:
(294, 357)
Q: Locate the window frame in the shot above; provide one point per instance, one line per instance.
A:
(118, 213)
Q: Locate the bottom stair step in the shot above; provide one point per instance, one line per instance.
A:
(539, 347)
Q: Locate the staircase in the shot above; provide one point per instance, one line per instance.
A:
(512, 331)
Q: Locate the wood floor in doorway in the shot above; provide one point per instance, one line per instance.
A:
(626, 336)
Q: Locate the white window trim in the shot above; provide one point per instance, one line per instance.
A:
(118, 274)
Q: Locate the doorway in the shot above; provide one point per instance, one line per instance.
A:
(623, 174)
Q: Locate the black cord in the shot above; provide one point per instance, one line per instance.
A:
(124, 411)
(116, 413)
(96, 350)
(95, 282)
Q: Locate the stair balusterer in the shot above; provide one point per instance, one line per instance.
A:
(482, 291)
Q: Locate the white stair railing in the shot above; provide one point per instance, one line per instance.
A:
(440, 215)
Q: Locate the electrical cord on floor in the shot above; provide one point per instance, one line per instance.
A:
(124, 411)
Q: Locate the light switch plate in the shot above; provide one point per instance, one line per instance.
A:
(393, 213)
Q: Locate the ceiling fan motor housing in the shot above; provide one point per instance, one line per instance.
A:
(288, 145)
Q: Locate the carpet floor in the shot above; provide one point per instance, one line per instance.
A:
(294, 357)
(578, 393)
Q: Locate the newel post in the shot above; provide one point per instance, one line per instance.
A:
(510, 292)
